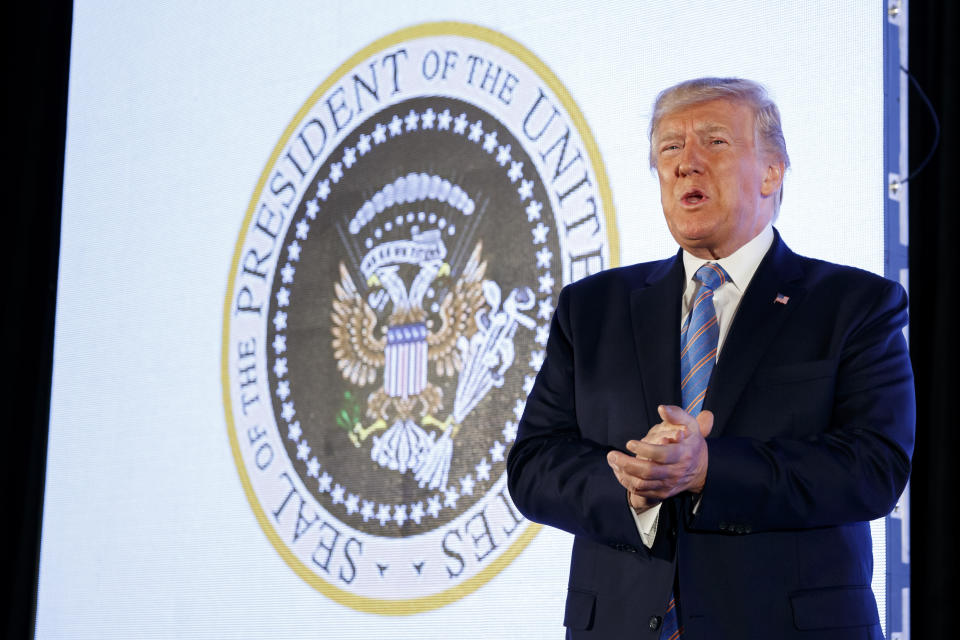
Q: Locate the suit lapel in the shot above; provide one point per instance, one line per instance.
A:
(757, 321)
(655, 312)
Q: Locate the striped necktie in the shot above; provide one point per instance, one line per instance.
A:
(699, 337)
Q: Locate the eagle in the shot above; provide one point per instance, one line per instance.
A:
(400, 354)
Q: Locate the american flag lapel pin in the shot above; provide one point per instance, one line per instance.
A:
(782, 299)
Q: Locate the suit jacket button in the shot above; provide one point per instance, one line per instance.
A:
(654, 623)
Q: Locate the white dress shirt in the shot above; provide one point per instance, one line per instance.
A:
(740, 266)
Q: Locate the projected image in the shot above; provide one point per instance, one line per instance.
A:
(309, 262)
(393, 292)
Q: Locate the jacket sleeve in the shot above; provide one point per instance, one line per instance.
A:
(556, 476)
(851, 468)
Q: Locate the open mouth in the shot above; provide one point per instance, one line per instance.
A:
(692, 197)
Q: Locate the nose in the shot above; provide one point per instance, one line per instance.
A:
(690, 161)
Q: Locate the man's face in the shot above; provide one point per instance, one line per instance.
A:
(716, 186)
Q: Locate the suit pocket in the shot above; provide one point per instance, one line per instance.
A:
(834, 608)
(578, 613)
(797, 372)
(791, 400)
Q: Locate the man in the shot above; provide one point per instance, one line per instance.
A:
(748, 518)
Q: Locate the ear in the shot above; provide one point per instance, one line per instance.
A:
(772, 177)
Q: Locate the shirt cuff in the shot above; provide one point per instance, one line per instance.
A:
(646, 523)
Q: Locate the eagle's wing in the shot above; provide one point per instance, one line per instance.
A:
(458, 316)
(358, 351)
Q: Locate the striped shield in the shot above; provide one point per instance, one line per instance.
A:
(405, 373)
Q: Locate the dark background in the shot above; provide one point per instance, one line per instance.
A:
(36, 61)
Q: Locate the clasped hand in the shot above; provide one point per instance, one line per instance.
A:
(671, 458)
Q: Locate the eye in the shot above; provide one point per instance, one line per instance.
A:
(718, 141)
(672, 146)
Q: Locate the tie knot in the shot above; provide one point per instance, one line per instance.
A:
(711, 275)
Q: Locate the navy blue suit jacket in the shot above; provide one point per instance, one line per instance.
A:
(814, 423)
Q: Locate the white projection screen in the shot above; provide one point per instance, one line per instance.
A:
(244, 441)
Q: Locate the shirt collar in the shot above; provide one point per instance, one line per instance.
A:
(739, 265)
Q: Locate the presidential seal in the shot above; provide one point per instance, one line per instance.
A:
(388, 310)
